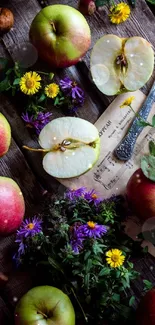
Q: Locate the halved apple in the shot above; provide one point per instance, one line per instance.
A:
(121, 64)
(72, 145)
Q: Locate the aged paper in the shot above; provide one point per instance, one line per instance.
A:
(109, 175)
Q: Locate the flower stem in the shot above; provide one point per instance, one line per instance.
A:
(85, 317)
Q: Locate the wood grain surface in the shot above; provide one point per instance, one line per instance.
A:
(26, 167)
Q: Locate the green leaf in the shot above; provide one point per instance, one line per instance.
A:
(153, 120)
(151, 1)
(148, 167)
(87, 254)
(4, 84)
(143, 123)
(104, 271)
(16, 81)
(147, 285)
(100, 3)
(116, 297)
(42, 98)
(88, 265)
(55, 264)
(131, 301)
(152, 148)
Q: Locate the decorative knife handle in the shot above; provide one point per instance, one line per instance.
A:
(125, 148)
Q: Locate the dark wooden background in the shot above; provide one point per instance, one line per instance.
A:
(25, 167)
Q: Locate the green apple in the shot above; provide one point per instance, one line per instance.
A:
(12, 206)
(44, 305)
(61, 35)
(121, 64)
(71, 146)
(5, 135)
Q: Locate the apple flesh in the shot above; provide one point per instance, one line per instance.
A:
(12, 206)
(61, 35)
(44, 305)
(121, 64)
(146, 309)
(5, 135)
(72, 145)
(141, 195)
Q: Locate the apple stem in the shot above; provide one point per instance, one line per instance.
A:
(40, 312)
(53, 25)
(35, 149)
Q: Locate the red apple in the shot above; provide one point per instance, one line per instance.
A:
(87, 7)
(146, 309)
(61, 35)
(12, 206)
(141, 195)
(6, 20)
(5, 135)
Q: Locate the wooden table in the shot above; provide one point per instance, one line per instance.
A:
(25, 167)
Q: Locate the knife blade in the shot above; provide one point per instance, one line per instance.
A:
(125, 148)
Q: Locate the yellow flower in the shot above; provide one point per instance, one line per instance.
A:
(127, 101)
(115, 257)
(119, 13)
(30, 83)
(52, 90)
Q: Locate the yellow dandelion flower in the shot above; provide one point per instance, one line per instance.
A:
(30, 83)
(127, 102)
(52, 90)
(119, 13)
(115, 257)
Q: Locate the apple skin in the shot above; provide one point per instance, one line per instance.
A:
(146, 309)
(6, 20)
(5, 135)
(141, 195)
(61, 35)
(12, 206)
(44, 305)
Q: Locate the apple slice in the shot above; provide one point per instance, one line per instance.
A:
(119, 64)
(72, 145)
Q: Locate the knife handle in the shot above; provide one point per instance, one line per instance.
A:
(125, 148)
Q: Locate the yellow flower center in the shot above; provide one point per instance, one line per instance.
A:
(115, 257)
(94, 196)
(91, 224)
(30, 226)
(30, 83)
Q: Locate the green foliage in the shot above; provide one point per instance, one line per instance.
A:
(151, 1)
(147, 285)
(95, 283)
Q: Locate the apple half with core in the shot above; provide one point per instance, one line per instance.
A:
(61, 35)
(44, 305)
(5, 135)
(12, 206)
(121, 64)
(71, 146)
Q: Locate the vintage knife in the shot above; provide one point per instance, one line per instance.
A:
(125, 148)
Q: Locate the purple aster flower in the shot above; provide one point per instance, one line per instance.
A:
(71, 88)
(76, 238)
(91, 196)
(92, 230)
(37, 122)
(29, 228)
(73, 194)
